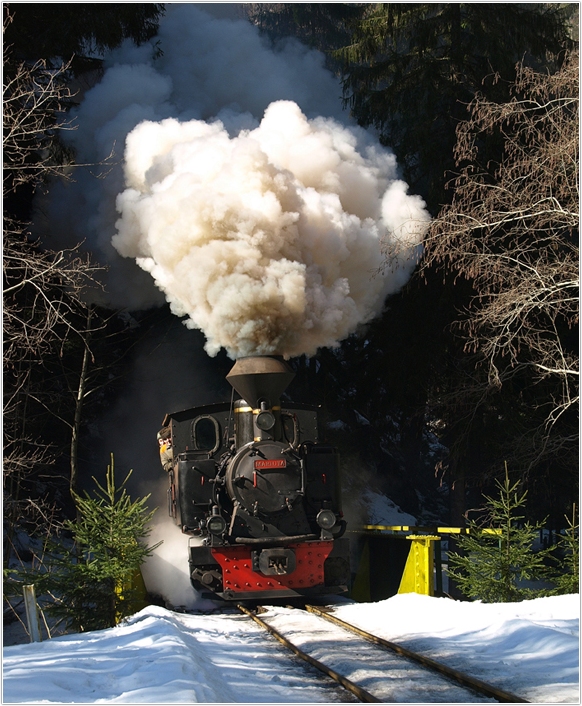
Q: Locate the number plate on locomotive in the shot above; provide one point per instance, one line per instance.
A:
(270, 463)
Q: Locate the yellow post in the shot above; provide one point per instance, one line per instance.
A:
(135, 588)
(418, 575)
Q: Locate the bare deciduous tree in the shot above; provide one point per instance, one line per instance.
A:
(512, 231)
(33, 97)
(44, 303)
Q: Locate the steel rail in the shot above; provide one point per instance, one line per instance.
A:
(362, 694)
(464, 679)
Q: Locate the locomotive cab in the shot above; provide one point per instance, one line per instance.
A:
(257, 491)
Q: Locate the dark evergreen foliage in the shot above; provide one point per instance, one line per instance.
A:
(567, 570)
(497, 555)
(411, 69)
(77, 31)
(89, 583)
(324, 26)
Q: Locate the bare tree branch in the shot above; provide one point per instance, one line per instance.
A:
(44, 291)
(512, 231)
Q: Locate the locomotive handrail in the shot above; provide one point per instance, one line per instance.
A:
(295, 443)
(266, 541)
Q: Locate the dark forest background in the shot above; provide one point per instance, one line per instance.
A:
(428, 400)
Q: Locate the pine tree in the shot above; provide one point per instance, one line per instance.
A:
(90, 581)
(411, 68)
(495, 560)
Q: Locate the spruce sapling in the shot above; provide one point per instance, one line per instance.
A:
(496, 559)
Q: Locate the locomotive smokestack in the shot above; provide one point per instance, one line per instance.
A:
(258, 378)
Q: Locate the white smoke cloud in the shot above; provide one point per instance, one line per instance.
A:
(217, 63)
(261, 222)
(268, 241)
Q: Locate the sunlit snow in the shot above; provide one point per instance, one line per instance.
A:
(158, 656)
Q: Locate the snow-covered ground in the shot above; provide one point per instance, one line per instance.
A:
(158, 656)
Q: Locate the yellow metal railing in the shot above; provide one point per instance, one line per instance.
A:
(433, 530)
(419, 570)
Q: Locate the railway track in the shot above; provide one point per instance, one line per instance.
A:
(374, 670)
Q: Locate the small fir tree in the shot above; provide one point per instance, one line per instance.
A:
(496, 559)
(91, 582)
(566, 577)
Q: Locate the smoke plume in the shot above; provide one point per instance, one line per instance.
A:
(269, 242)
(204, 63)
(260, 222)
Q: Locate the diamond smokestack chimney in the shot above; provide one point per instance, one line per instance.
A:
(260, 378)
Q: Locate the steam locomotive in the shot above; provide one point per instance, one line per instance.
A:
(257, 491)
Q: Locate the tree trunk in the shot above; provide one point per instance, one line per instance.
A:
(76, 426)
(457, 506)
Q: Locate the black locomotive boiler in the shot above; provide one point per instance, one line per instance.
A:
(253, 483)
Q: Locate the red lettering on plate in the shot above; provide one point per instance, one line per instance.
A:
(270, 463)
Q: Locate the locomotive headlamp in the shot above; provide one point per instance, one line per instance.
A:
(325, 519)
(216, 524)
(265, 420)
